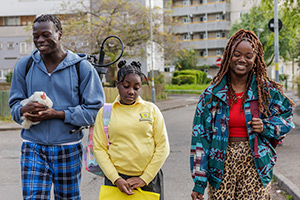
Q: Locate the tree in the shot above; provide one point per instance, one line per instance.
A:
(186, 59)
(90, 24)
(289, 14)
(258, 17)
(87, 25)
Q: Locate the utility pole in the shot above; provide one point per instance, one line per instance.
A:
(276, 40)
(151, 41)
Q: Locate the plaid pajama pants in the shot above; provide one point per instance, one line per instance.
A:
(42, 165)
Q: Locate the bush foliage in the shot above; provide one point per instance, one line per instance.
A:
(189, 77)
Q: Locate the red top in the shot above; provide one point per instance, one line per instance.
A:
(237, 121)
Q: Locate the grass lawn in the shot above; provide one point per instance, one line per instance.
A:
(185, 89)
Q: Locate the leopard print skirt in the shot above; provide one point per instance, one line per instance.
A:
(240, 180)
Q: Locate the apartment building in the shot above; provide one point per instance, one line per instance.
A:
(17, 16)
(203, 25)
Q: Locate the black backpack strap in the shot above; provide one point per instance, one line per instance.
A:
(77, 65)
(28, 65)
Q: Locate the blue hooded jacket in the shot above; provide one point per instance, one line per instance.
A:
(61, 86)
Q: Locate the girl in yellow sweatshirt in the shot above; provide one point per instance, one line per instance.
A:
(137, 135)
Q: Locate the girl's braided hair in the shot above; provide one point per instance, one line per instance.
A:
(259, 69)
(132, 68)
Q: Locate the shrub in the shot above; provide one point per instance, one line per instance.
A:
(184, 79)
(200, 76)
(8, 77)
(160, 79)
(175, 80)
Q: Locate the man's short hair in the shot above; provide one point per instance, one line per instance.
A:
(50, 18)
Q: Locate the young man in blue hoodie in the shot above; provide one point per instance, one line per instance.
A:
(50, 154)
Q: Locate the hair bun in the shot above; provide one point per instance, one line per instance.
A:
(136, 64)
(121, 63)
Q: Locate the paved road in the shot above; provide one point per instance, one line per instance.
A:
(178, 183)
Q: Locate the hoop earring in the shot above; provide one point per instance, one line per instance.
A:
(254, 65)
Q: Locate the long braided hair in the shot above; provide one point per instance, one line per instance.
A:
(259, 70)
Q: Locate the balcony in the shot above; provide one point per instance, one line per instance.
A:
(212, 43)
(14, 31)
(201, 8)
(202, 26)
(208, 60)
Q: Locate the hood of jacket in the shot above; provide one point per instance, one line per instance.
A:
(69, 60)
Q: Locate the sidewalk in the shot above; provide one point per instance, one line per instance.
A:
(287, 168)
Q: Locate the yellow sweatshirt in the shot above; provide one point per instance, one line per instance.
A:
(138, 141)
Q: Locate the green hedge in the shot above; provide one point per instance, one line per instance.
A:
(184, 77)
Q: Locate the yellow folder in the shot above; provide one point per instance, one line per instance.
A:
(113, 193)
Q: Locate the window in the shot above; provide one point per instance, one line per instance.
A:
(23, 48)
(202, 53)
(218, 34)
(186, 2)
(242, 13)
(12, 21)
(185, 20)
(202, 18)
(10, 45)
(186, 36)
(217, 17)
(223, 34)
(202, 35)
(219, 52)
(222, 16)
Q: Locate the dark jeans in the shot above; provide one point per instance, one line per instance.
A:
(156, 185)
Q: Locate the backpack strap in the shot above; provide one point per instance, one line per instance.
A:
(77, 65)
(106, 117)
(28, 65)
(255, 113)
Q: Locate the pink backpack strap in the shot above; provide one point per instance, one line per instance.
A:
(106, 118)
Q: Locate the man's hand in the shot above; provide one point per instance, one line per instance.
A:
(123, 186)
(44, 115)
(33, 108)
(135, 182)
(196, 196)
(257, 125)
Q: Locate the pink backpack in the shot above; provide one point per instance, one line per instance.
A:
(90, 163)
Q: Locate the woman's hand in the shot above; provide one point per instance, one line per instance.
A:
(257, 125)
(196, 196)
(135, 182)
(123, 186)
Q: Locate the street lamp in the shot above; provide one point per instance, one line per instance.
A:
(259, 30)
(151, 55)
